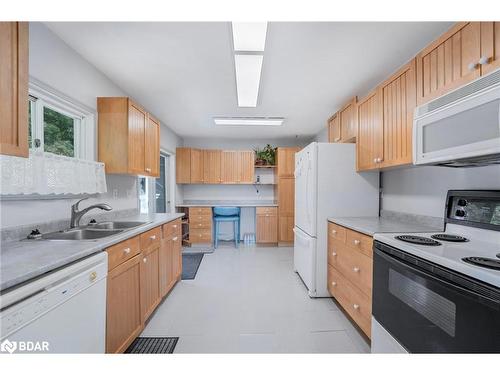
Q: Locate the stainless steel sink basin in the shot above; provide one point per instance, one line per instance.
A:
(117, 225)
(80, 234)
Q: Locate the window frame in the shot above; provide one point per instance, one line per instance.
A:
(84, 132)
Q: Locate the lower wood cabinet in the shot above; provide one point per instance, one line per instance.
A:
(267, 225)
(350, 273)
(200, 225)
(142, 270)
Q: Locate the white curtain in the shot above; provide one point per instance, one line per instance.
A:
(46, 173)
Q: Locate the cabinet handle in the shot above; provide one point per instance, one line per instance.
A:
(356, 306)
(356, 269)
(375, 160)
(144, 260)
(174, 239)
(334, 254)
(337, 139)
(126, 250)
(152, 238)
(471, 66)
(175, 226)
(484, 60)
(148, 169)
(357, 242)
(334, 231)
(334, 283)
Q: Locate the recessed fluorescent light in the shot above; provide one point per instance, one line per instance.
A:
(248, 68)
(249, 36)
(248, 121)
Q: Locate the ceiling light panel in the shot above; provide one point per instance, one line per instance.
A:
(249, 36)
(248, 69)
(249, 121)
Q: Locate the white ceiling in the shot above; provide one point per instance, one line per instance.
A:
(184, 72)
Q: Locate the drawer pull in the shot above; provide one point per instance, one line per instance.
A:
(200, 225)
(357, 242)
(356, 269)
(174, 239)
(144, 260)
(175, 226)
(152, 238)
(334, 283)
(356, 306)
(148, 169)
(334, 231)
(334, 254)
(126, 250)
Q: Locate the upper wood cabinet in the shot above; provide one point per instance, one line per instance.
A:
(334, 134)
(229, 167)
(348, 121)
(449, 62)
(285, 161)
(14, 88)
(212, 166)
(398, 94)
(129, 139)
(183, 165)
(246, 165)
(196, 166)
(152, 154)
(369, 143)
(490, 46)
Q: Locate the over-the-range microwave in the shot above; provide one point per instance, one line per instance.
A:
(461, 128)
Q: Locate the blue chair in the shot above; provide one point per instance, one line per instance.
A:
(227, 214)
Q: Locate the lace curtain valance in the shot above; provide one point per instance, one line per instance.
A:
(45, 173)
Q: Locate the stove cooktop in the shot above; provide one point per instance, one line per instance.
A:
(418, 240)
(449, 237)
(493, 264)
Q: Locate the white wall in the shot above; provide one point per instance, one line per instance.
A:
(422, 190)
(58, 66)
(322, 136)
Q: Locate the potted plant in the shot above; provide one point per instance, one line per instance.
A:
(265, 156)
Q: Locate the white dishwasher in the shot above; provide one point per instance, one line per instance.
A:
(61, 312)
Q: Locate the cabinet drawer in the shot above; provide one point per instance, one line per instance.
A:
(355, 266)
(267, 211)
(119, 253)
(336, 232)
(151, 238)
(200, 235)
(201, 225)
(200, 211)
(201, 219)
(172, 229)
(357, 304)
(360, 242)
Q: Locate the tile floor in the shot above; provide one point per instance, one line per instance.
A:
(249, 300)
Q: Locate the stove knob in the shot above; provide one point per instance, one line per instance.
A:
(462, 202)
(460, 213)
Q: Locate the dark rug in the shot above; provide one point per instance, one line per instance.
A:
(190, 265)
(153, 345)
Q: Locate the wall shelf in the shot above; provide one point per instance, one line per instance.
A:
(265, 166)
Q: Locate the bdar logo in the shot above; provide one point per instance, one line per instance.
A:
(8, 346)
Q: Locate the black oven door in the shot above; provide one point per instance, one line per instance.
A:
(430, 309)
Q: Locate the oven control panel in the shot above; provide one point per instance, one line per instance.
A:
(474, 209)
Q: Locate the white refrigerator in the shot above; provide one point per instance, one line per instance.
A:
(327, 185)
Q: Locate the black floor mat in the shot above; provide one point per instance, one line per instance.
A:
(153, 345)
(190, 264)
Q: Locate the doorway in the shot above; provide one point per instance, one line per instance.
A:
(154, 193)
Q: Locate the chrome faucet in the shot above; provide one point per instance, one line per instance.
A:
(76, 215)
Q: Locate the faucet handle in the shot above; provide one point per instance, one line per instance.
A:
(75, 206)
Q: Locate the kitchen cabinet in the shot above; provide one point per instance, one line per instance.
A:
(152, 154)
(123, 316)
(449, 62)
(350, 273)
(150, 277)
(128, 137)
(285, 229)
(229, 167)
(14, 88)
(267, 225)
(348, 121)
(196, 166)
(212, 166)
(200, 225)
(334, 134)
(490, 46)
(285, 192)
(246, 164)
(176, 258)
(285, 161)
(170, 258)
(369, 144)
(286, 196)
(183, 165)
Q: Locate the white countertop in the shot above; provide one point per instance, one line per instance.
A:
(227, 203)
(23, 260)
(376, 224)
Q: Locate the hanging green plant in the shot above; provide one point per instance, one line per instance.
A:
(266, 155)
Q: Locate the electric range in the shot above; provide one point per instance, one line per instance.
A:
(440, 292)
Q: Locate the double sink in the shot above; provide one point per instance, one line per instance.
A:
(93, 231)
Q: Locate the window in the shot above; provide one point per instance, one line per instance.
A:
(60, 126)
(154, 193)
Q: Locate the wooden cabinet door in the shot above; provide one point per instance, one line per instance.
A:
(211, 166)
(285, 164)
(286, 224)
(176, 258)
(369, 144)
(490, 46)
(286, 196)
(334, 134)
(398, 96)
(123, 315)
(150, 281)
(449, 62)
(196, 166)
(348, 121)
(246, 163)
(152, 147)
(183, 165)
(14, 88)
(165, 266)
(267, 228)
(229, 167)
(136, 141)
